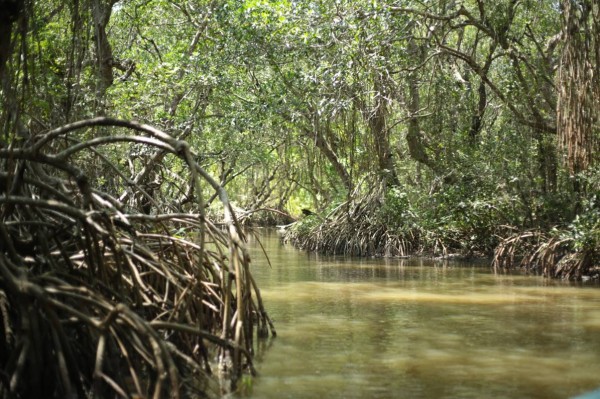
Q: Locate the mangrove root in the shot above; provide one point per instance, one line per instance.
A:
(110, 299)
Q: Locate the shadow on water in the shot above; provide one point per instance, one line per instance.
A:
(413, 328)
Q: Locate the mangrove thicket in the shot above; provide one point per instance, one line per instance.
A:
(138, 137)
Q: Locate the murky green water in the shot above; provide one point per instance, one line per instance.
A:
(376, 328)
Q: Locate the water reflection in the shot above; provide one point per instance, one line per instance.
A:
(404, 328)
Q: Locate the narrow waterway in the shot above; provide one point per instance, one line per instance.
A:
(416, 328)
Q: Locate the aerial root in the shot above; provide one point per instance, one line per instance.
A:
(97, 295)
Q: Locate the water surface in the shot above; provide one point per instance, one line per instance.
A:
(416, 328)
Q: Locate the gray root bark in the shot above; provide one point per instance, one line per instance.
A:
(101, 12)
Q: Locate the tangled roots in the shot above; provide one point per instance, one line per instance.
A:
(354, 228)
(99, 297)
(539, 252)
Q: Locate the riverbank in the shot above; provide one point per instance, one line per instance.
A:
(375, 226)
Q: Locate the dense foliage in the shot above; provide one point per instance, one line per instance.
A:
(474, 120)
(447, 127)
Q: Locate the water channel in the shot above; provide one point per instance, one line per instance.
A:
(418, 328)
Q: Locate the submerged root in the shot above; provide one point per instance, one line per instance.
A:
(552, 256)
(353, 228)
(100, 298)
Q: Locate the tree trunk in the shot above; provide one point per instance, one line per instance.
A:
(579, 83)
(101, 11)
(377, 121)
(414, 136)
(10, 11)
(324, 147)
(547, 163)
